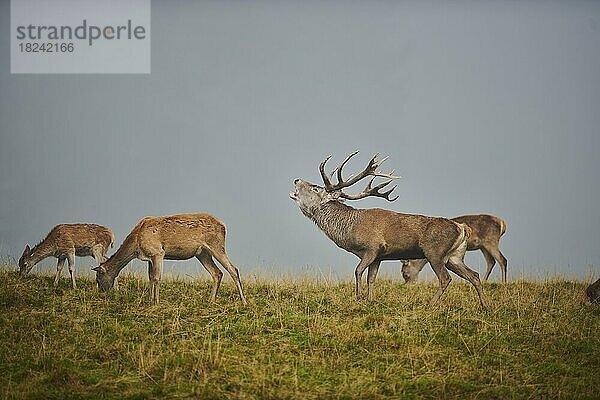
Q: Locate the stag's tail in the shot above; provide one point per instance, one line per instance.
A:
(468, 231)
(459, 247)
(112, 240)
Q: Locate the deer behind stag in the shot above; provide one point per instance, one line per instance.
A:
(486, 231)
(375, 234)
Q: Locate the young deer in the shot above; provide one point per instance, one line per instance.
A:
(374, 235)
(486, 233)
(65, 241)
(175, 237)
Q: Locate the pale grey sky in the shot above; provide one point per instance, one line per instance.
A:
(482, 107)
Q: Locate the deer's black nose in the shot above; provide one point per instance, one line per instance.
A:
(296, 181)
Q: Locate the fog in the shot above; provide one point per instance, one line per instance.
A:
(482, 107)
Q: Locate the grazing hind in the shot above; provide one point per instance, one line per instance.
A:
(486, 233)
(175, 237)
(65, 241)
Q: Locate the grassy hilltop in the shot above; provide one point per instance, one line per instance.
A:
(295, 339)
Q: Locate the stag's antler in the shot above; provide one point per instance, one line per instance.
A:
(370, 170)
(373, 191)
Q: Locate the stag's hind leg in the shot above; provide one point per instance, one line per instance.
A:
(457, 265)
(207, 262)
(443, 277)
(222, 258)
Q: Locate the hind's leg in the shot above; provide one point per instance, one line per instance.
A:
(154, 275)
(497, 254)
(99, 254)
(207, 262)
(222, 258)
(59, 266)
(71, 260)
(489, 260)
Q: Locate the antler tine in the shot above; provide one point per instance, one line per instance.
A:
(374, 191)
(384, 159)
(370, 170)
(339, 169)
(326, 180)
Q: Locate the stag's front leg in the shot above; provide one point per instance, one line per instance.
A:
(458, 266)
(371, 275)
(59, 266)
(366, 260)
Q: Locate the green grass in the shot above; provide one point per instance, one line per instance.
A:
(295, 339)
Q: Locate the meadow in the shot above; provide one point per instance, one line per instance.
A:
(304, 339)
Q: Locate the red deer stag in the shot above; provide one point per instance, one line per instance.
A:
(175, 237)
(486, 233)
(375, 235)
(65, 241)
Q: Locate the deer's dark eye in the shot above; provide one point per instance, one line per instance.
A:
(315, 189)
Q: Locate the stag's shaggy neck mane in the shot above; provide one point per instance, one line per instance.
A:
(336, 220)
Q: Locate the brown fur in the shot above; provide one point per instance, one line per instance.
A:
(174, 237)
(486, 233)
(592, 293)
(375, 235)
(65, 241)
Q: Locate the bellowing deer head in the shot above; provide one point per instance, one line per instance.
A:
(310, 197)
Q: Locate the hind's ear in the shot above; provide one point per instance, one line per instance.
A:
(27, 250)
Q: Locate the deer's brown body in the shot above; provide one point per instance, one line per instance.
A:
(486, 233)
(592, 293)
(65, 241)
(375, 235)
(175, 237)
